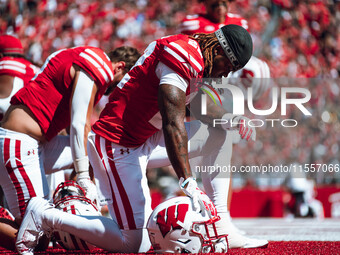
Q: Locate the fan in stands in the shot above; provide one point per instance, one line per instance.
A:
(70, 197)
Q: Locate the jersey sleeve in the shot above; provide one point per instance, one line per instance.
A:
(184, 58)
(97, 64)
(168, 76)
(17, 67)
(12, 67)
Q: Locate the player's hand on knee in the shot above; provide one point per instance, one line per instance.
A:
(245, 131)
(241, 123)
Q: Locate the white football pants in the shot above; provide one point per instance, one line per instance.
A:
(23, 164)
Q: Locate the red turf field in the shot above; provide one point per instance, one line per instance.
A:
(291, 247)
(296, 233)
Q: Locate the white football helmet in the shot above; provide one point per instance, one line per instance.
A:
(70, 197)
(174, 227)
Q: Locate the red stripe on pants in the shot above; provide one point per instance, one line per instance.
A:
(22, 170)
(120, 186)
(114, 204)
(14, 179)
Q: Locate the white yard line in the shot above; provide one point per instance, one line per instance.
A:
(291, 229)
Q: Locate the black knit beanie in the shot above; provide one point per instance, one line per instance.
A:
(236, 43)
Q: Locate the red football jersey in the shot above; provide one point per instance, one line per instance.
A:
(18, 67)
(132, 115)
(48, 94)
(201, 24)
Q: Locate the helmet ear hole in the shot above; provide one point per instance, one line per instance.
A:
(185, 251)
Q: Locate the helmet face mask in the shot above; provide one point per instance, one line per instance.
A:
(70, 197)
(207, 231)
(174, 227)
(67, 190)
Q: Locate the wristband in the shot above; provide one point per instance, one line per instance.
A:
(183, 183)
(82, 167)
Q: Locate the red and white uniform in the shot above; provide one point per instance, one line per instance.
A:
(22, 70)
(18, 67)
(55, 84)
(132, 114)
(128, 138)
(199, 23)
(48, 96)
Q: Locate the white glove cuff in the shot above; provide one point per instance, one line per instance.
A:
(82, 167)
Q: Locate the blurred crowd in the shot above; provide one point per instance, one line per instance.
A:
(304, 42)
(48, 25)
(314, 140)
(298, 39)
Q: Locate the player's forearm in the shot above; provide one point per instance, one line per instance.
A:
(213, 111)
(171, 101)
(81, 108)
(176, 141)
(78, 133)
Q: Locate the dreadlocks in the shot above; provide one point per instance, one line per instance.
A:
(208, 44)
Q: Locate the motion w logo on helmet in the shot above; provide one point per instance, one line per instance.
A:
(167, 219)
